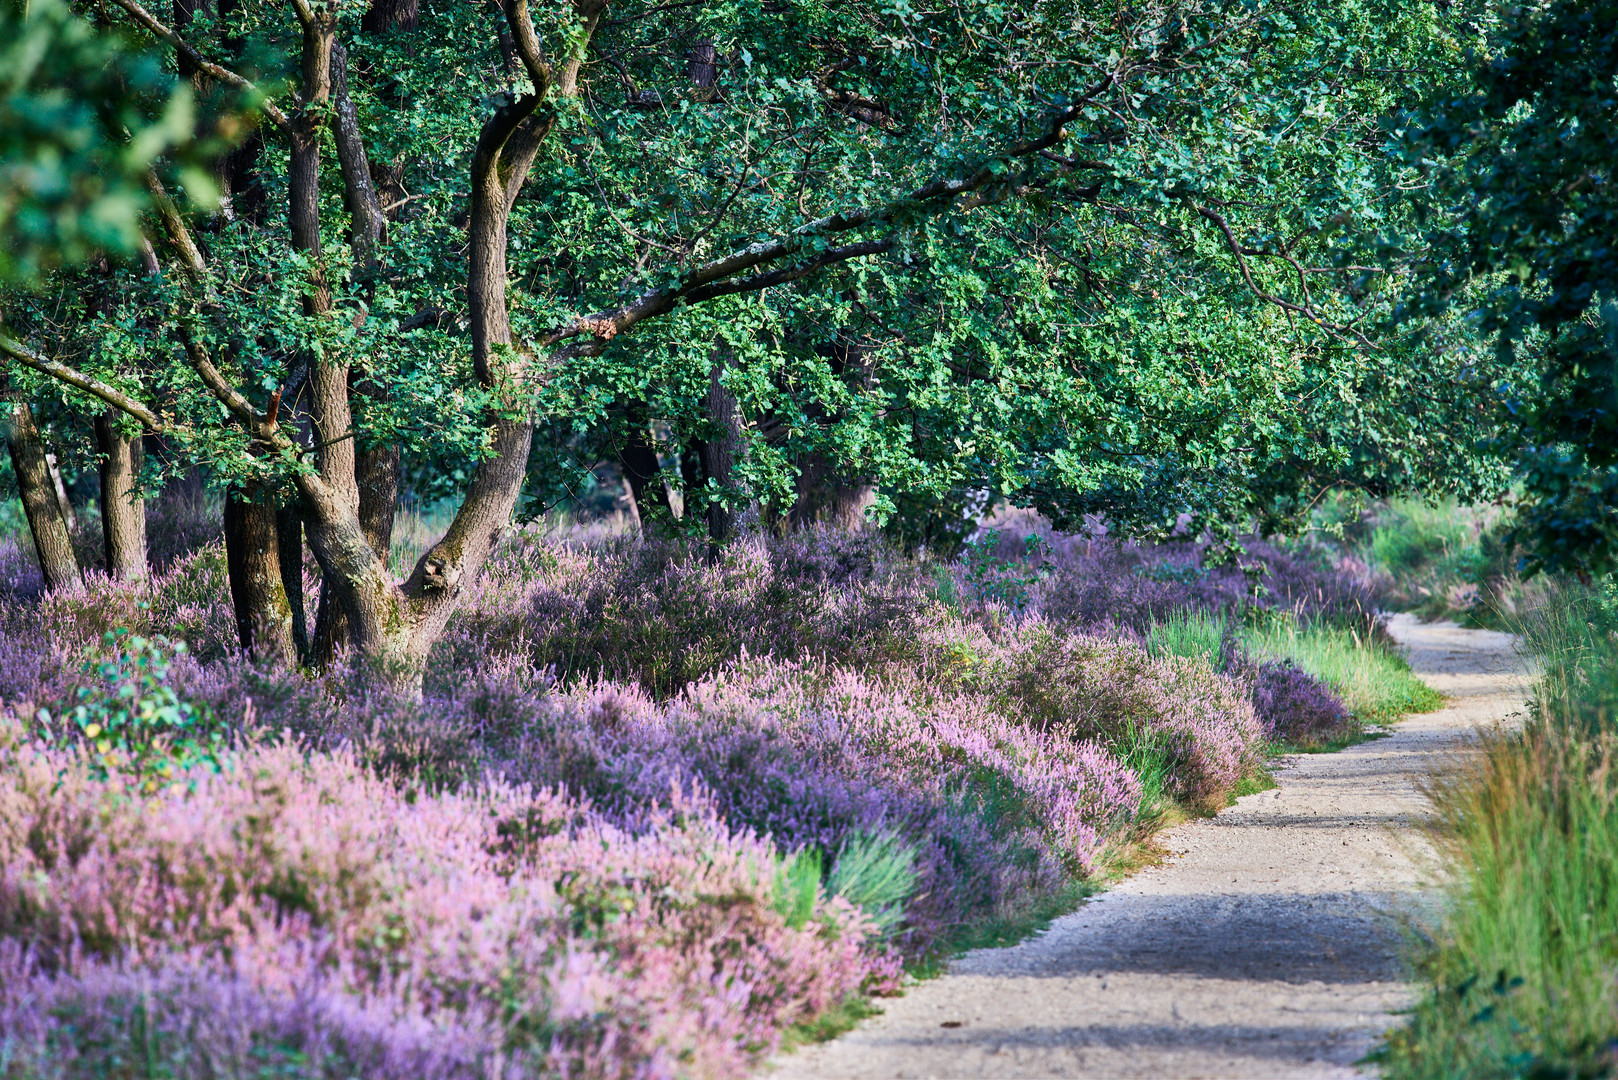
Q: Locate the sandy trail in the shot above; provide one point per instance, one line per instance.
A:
(1265, 947)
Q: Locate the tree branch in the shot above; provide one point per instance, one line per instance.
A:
(208, 67)
(364, 205)
(89, 384)
(1305, 309)
(174, 226)
(605, 325)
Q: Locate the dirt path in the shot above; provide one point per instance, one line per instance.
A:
(1263, 948)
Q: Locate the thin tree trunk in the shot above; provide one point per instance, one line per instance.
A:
(123, 509)
(637, 456)
(62, 500)
(252, 553)
(41, 503)
(720, 449)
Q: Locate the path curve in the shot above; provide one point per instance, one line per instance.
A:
(1263, 947)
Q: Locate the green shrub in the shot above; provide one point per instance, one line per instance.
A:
(134, 724)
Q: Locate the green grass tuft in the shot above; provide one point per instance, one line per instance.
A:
(1187, 634)
(877, 872)
(1522, 968)
(1374, 682)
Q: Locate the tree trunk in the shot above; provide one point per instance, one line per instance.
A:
(252, 554)
(377, 471)
(289, 561)
(41, 504)
(825, 498)
(123, 509)
(384, 15)
(637, 456)
(719, 451)
(394, 626)
(69, 518)
(377, 474)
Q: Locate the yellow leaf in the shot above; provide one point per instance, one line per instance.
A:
(92, 730)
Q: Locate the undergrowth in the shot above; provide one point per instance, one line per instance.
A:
(878, 762)
(1521, 971)
(1371, 679)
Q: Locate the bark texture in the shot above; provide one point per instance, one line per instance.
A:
(289, 560)
(385, 15)
(63, 502)
(52, 542)
(826, 498)
(720, 450)
(123, 510)
(253, 555)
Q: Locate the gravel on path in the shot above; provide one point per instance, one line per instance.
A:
(1265, 945)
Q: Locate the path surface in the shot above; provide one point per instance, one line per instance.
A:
(1266, 946)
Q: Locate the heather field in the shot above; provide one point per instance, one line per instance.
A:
(653, 812)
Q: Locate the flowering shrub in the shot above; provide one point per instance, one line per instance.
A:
(1109, 690)
(19, 568)
(1091, 581)
(341, 921)
(1293, 706)
(651, 809)
(661, 615)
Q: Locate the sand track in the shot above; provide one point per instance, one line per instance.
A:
(1266, 946)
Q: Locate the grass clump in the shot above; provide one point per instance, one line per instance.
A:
(1522, 971)
(1373, 681)
(875, 872)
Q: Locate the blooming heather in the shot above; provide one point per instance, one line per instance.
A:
(335, 914)
(583, 851)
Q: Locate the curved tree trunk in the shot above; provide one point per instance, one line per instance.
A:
(123, 509)
(377, 475)
(40, 503)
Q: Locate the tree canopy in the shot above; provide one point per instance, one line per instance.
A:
(822, 260)
(1521, 239)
